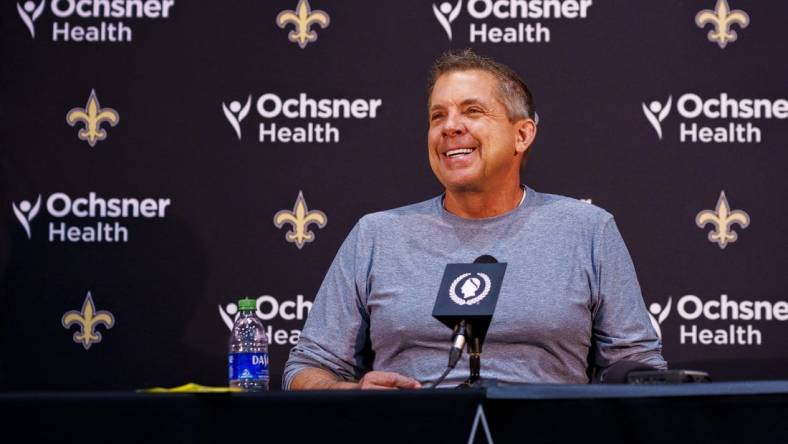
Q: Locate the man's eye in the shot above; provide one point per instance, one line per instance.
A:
(436, 116)
(473, 110)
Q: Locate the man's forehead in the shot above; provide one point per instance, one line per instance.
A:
(476, 79)
(463, 87)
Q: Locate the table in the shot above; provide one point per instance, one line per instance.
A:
(708, 412)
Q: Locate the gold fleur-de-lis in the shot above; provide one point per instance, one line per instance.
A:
(88, 319)
(302, 18)
(92, 115)
(722, 18)
(300, 219)
(723, 219)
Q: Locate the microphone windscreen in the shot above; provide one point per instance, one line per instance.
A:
(485, 259)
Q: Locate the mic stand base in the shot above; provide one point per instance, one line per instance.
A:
(478, 383)
(474, 379)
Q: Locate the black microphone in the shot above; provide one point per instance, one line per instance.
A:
(460, 336)
(458, 341)
(466, 302)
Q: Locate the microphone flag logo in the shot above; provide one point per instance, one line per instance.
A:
(469, 290)
(475, 287)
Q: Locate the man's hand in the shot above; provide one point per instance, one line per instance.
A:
(387, 381)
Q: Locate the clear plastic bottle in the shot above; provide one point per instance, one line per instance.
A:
(248, 350)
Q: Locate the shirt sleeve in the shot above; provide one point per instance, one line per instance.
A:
(336, 333)
(621, 326)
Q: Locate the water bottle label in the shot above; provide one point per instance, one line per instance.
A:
(248, 365)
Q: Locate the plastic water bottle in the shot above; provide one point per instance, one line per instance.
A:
(248, 350)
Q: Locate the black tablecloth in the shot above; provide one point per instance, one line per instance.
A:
(754, 412)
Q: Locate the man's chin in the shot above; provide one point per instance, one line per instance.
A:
(459, 180)
(462, 186)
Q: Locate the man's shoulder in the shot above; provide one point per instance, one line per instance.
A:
(571, 210)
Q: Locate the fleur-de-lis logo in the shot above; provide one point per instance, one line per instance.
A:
(300, 219)
(302, 18)
(722, 18)
(88, 319)
(92, 115)
(723, 219)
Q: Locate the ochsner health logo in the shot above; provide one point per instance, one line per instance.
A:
(236, 113)
(656, 112)
(523, 18)
(25, 213)
(270, 308)
(658, 314)
(718, 119)
(315, 116)
(740, 319)
(105, 18)
(29, 13)
(446, 14)
(104, 215)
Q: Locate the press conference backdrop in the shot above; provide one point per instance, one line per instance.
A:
(163, 158)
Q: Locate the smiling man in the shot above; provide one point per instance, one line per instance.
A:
(570, 300)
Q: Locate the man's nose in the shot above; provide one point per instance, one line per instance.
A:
(453, 125)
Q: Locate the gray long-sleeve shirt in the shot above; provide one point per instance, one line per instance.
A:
(569, 284)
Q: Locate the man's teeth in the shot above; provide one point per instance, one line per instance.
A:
(459, 151)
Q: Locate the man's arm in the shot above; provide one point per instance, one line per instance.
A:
(333, 345)
(313, 378)
(333, 351)
(318, 379)
(622, 329)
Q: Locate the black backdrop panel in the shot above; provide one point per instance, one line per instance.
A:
(620, 93)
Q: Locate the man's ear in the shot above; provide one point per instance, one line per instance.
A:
(526, 133)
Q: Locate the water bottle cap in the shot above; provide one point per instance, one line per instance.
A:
(247, 304)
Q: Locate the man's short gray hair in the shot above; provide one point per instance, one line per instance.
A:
(512, 90)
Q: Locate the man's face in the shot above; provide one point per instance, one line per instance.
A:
(472, 144)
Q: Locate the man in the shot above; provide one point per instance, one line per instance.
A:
(570, 286)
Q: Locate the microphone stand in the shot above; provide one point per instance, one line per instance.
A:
(475, 362)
